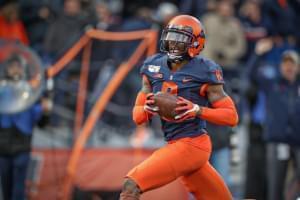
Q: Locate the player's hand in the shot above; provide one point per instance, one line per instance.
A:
(149, 104)
(187, 110)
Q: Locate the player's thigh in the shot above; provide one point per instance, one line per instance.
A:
(166, 164)
(206, 184)
(155, 171)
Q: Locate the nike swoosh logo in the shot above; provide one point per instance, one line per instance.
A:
(185, 80)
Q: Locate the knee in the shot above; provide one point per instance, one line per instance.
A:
(130, 190)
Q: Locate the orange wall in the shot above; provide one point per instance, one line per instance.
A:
(99, 169)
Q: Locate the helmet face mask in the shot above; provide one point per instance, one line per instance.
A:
(183, 38)
(176, 43)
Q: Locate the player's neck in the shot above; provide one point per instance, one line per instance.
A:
(177, 66)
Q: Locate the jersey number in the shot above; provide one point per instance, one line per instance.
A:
(170, 87)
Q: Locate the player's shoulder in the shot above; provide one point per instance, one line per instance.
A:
(211, 72)
(153, 61)
(207, 63)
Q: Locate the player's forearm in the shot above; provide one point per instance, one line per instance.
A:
(223, 112)
(139, 115)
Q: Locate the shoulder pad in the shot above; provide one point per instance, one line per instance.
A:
(215, 74)
(214, 71)
(153, 61)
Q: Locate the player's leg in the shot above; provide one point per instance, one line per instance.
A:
(206, 184)
(155, 171)
(164, 166)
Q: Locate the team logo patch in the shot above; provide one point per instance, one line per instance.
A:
(153, 68)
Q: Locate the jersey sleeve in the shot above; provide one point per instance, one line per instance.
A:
(215, 75)
(144, 67)
(150, 61)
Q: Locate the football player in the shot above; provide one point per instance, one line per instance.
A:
(198, 83)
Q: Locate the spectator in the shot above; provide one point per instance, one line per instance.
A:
(37, 15)
(122, 50)
(12, 28)
(282, 15)
(140, 20)
(256, 180)
(282, 121)
(105, 18)
(65, 30)
(282, 125)
(15, 141)
(295, 5)
(279, 45)
(255, 23)
(196, 7)
(226, 42)
(62, 34)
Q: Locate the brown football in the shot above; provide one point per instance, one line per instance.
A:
(166, 103)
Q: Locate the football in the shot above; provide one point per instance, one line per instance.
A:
(166, 103)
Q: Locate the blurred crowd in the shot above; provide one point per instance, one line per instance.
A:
(255, 41)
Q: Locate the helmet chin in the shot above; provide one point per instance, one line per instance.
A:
(177, 58)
